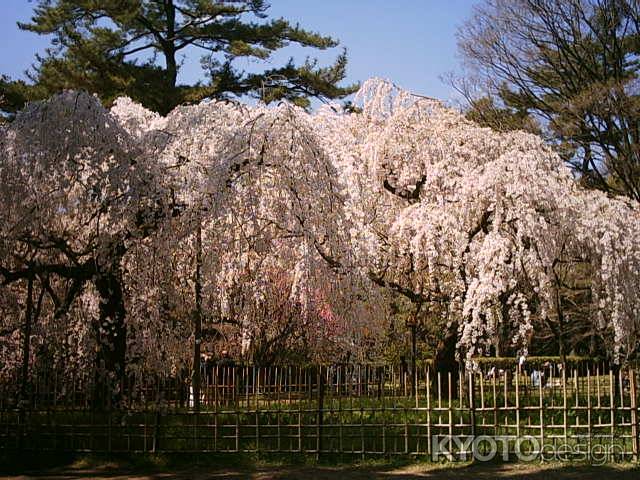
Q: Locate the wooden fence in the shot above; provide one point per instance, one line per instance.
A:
(339, 409)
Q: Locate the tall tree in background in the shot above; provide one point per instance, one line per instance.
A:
(573, 64)
(489, 111)
(134, 48)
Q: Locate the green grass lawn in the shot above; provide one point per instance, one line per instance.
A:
(351, 426)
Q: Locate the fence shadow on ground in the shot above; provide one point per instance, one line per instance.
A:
(212, 467)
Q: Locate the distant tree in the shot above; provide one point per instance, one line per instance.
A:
(486, 112)
(574, 64)
(12, 96)
(133, 48)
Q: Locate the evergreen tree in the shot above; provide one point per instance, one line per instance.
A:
(134, 48)
(487, 112)
(574, 65)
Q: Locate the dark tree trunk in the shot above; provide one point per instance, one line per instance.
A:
(31, 315)
(169, 51)
(111, 337)
(26, 341)
(197, 328)
(414, 354)
(445, 362)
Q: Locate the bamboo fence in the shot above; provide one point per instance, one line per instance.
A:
(335, 409)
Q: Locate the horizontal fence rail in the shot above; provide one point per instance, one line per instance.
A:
(346, 409)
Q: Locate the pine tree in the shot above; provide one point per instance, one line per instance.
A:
(574, 65)
(134, 48)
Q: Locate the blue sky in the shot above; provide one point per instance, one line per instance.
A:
(411, 42)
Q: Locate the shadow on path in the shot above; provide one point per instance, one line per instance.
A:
(530, 471)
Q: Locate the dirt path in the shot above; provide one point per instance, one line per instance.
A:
(419, 471)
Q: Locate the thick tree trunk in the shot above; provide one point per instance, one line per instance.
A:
(169, 50)
(26, 341)
(111, 336)
(414, 354)
(445, 362)
(197, 328)
(32, 312)
(562, 349)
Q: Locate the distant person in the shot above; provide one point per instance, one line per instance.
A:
(521, 363)
(404, 370)
(535, 378)
(225, 359)
(208, 365)
(547, 373)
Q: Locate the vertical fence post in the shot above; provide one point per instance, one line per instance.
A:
(450, 409)
(156, 430)
(634, 414)
(216, 406)
(319, 427)
(256, 383)
(279, 386)
(612, 408)
(472, 402)
(589, 416)
(109, 419)
(541, 413)
(472, 411)
(428, 394)
(564, 404)
(236, 406)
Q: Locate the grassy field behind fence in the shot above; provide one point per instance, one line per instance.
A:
(351, 410)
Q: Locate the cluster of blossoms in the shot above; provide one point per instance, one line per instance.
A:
(482, 221)
(120, 215)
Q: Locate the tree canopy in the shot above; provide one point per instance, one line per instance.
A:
(572, 64)
(134, 48)
(306, 224)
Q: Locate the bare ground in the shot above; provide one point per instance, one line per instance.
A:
(531, 471)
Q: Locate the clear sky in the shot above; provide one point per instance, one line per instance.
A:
(411, 42)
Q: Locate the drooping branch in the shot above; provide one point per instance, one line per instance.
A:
(411, 196)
